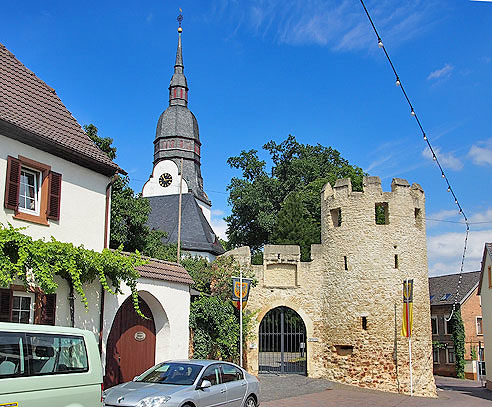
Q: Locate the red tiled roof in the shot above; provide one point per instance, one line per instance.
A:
(29, 104)
(164, 270)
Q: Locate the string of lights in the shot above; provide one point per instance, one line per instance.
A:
(450, 189)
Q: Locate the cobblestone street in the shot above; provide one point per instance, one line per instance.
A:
(297, 391)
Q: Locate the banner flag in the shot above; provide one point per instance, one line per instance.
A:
(236, 291)
(406, 328)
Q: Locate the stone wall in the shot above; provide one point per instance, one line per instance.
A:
(356, 272)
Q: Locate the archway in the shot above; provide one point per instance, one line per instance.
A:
(130, 348)
(282, 342)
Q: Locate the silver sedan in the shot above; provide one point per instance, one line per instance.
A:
(187, 383)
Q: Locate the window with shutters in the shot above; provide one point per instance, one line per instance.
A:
(18, 305)
(32, 190)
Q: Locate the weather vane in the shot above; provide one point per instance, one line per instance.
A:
(180, 18)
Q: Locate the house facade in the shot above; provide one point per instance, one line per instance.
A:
(485, 292)
(57, 183)
(442, 291)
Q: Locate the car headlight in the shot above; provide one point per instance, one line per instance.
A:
(153, 401)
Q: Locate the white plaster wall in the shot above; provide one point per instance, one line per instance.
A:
(486, 297)
(83, 199)
(152, 187)
(206, 209)
(210, 257)
(170, 306)
(85, 318)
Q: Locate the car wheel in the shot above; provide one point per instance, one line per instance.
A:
(250, 402)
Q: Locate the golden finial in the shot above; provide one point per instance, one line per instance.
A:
(180, 18)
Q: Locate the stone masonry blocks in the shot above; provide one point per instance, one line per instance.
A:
(357, 272)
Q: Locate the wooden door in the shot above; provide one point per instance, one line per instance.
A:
(130, 348)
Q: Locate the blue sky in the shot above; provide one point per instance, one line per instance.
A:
(262, 69)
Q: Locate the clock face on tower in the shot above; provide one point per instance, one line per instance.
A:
(165, 180)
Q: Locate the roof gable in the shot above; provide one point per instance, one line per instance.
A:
(32, 112)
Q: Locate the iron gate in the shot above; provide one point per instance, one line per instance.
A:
(282, 347)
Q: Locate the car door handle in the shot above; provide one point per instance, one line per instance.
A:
(243, 384)
(223, 391)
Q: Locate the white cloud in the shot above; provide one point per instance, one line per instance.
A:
(441, 73)
(447, 160)
(217, 212)
(445, 251)
(219, 226)
(485, 216)
(339, 24)
(481, 153)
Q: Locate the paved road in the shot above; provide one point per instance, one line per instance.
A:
(299, 391)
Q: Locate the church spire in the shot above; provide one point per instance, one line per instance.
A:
(178, 88)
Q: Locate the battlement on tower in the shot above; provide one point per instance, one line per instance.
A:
(403, 206)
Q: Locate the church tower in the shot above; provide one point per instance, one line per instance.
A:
(177, 137)
(177, 141)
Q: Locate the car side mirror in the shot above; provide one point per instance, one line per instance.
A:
(135, 379)
(205, 384)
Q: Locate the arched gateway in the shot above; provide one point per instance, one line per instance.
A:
(130, 348)
(282, 342)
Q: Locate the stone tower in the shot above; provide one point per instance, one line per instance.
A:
(372, 241)
(349, 296)
(177, 137)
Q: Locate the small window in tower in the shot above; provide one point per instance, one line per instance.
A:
(345, 262)
(181, 93)
(397, 263)
(364, 323)
(381, 213)
(174, 92)
(418, 217)
(186, 95)
(336, 217)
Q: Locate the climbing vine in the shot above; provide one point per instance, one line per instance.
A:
(459, 343)
(37, 262)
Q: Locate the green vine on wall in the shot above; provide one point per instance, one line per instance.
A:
(459, 343)
(36, 263)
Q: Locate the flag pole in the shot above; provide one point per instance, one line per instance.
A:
(241, 317)
(179, 211)
(410, 353)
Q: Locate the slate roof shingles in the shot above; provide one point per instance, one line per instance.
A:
(441, 285)
(31, 105)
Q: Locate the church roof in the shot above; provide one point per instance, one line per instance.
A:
(32, 113)
(196, 232)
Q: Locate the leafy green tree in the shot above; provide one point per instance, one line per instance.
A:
(104, 143)
(264, 205)
(129, 212)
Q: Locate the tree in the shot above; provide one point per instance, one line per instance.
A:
(129, 215)
(129, 211)
(104, 143)
(458, 330)
(283, 206)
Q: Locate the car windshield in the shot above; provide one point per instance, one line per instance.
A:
(172, 373)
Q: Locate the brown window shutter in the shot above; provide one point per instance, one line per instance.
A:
(12, 184)
(47, 311)
(54, 196)
(5, 305)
